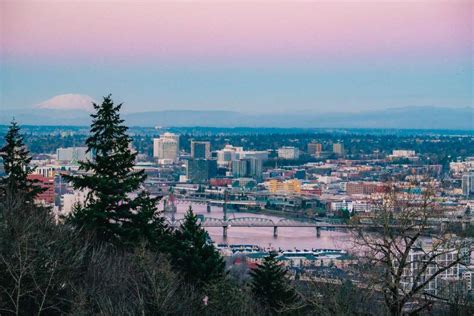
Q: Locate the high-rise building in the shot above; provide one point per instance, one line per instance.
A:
(255, 167)
(200, 170)
(315, 149)
(73, 154)
(256, 154)
(226, 155)
(166, 147)
(248, 167)
(290, 153)
(239, 168)
(200, 150)
(468, 184)
(338, 149)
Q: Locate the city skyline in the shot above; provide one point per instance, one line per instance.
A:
(250, 57)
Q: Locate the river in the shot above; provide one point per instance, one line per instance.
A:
(288, 237)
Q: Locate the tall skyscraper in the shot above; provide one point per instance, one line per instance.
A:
(338, 149)
(166, 147)
(200, 150)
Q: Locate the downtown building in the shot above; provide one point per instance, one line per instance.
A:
(200, 150)
(166, 148)
(200, 170)
(248, 167)
(73, 154)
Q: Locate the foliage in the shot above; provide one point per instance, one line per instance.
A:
(110, 212)
(16, 162)
(39, 260)
(394, 259)
(271, 287)
(193, 254)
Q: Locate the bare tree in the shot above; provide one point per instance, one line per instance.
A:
(37, 259)
(404, 255)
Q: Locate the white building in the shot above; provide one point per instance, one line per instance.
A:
(468, 184)
(70, 200)
(228, 154)
(461, 167)
(73, 154)
(419, 254)
(166, 147)
(401, 153)
(257, 154)
(290, 153)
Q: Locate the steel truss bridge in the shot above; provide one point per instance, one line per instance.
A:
(262, 222)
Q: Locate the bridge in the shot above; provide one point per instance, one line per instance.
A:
(262, 222)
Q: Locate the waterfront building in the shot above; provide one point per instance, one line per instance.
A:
(292, 186)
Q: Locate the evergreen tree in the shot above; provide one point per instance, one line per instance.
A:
(193, 254)
(270, 286)
(16, 162)
(109, 212)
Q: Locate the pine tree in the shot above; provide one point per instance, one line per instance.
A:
(16, 162)
(270, 285)
(193, 254)
(109, 212)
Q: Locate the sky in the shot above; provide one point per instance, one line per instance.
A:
(266, 56)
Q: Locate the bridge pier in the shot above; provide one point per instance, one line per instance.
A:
(224, 231)
(275, 231)
(318, 231)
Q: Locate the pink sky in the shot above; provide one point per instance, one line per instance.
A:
(204, 30)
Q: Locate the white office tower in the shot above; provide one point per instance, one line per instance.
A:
(468, 184)
(73, 154)
(70, 200)
(172, 136)
(290, 153)
(226, 155)
(166, 147)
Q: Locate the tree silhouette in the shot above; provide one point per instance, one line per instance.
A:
(193, 254)
(270, 286)
(110, 212)
(16, 162)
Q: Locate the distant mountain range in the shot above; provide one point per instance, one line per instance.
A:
(398, 118)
